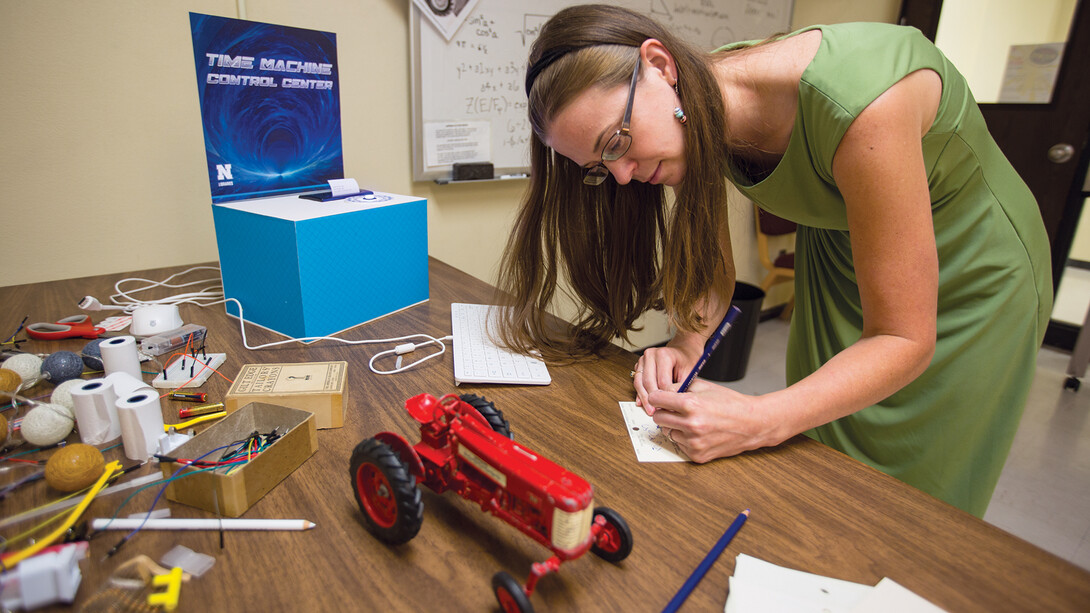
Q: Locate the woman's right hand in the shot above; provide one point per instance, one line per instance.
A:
(663, 368)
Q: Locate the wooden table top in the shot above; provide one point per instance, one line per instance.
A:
(813, 508)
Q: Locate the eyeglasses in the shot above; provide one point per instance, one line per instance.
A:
(619, 143)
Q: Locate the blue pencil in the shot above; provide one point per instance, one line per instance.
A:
(709, 346)
(706, 564)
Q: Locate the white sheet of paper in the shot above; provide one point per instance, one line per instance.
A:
(650, 443)
(457, 141)
(343, 187)
(892, 597)
(759, 586)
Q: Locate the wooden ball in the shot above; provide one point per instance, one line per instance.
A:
(9, 380)
(74, 467)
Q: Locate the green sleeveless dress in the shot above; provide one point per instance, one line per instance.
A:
(947, 433)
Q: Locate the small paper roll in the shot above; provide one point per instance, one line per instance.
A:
(141, 419)
(119, 355)
(125, 385)
(95, 407)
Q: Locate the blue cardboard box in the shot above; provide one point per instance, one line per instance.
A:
(303, 268)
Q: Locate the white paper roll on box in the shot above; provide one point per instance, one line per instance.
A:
(141, 419)
(95, 407)
(119, 355)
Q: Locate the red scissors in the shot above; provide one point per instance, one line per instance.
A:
(76, 326)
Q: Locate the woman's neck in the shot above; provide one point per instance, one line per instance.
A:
(760, 88)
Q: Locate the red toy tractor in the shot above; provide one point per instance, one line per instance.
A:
(465, 446)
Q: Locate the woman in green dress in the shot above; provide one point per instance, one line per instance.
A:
(922, 266)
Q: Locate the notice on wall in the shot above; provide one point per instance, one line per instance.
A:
(446, 143)
(1031, 73)
(270, 107)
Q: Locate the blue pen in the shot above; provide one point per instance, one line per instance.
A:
(724, 326)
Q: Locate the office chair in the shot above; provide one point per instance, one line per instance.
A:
(782, 268)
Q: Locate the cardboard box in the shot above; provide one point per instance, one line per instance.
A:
(303, 268)
(237, 491)
(317, 387)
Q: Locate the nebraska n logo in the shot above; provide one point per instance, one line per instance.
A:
(223, 172)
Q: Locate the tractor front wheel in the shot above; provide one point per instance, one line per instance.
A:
(509, 593)
(614, 542)
(386, 492)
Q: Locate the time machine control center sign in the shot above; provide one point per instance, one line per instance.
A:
(270, 107)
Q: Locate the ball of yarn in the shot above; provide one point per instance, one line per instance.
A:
(62, 394)
(4, 432)
(27, 365)
(47, 424)
(62, 366)
(74, 467)
(9, 380)
(92, 354)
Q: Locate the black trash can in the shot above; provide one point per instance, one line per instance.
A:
(728, 362)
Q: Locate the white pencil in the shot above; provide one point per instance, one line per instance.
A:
(202, 524)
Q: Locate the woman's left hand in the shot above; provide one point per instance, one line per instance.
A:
(711, 421)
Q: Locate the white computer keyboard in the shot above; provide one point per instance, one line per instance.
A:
(478, 360)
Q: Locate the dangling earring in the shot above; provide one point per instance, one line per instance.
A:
(678, 113)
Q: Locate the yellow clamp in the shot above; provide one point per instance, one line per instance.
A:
(168, 598)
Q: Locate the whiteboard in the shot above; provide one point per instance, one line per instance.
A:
(468, 97)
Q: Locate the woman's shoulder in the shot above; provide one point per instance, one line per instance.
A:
(858, 61)
(850, 33)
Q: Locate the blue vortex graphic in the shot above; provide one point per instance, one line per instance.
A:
(275, 139)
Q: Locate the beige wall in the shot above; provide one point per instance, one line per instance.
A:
(1080, 248)
(979, 47)
(102, 159)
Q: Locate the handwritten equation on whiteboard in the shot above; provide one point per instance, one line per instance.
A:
(648, 440)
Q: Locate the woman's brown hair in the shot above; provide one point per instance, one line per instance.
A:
(621, 249)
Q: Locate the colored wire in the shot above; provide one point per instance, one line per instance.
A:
(61, 512)
(204, 365)
(159, 495)
(8, 340)
(48, 504)
(14, 399)
(8, 458)
(61, 504)
(30, 531)
(164, 481)
(12, 559)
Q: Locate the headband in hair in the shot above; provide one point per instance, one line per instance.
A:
(546, 60)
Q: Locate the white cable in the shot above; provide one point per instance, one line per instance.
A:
(399, 350)
(124, 299)
(213, 295)
(398, 367)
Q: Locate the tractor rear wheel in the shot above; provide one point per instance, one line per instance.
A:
(491, 414)
(386, 492)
